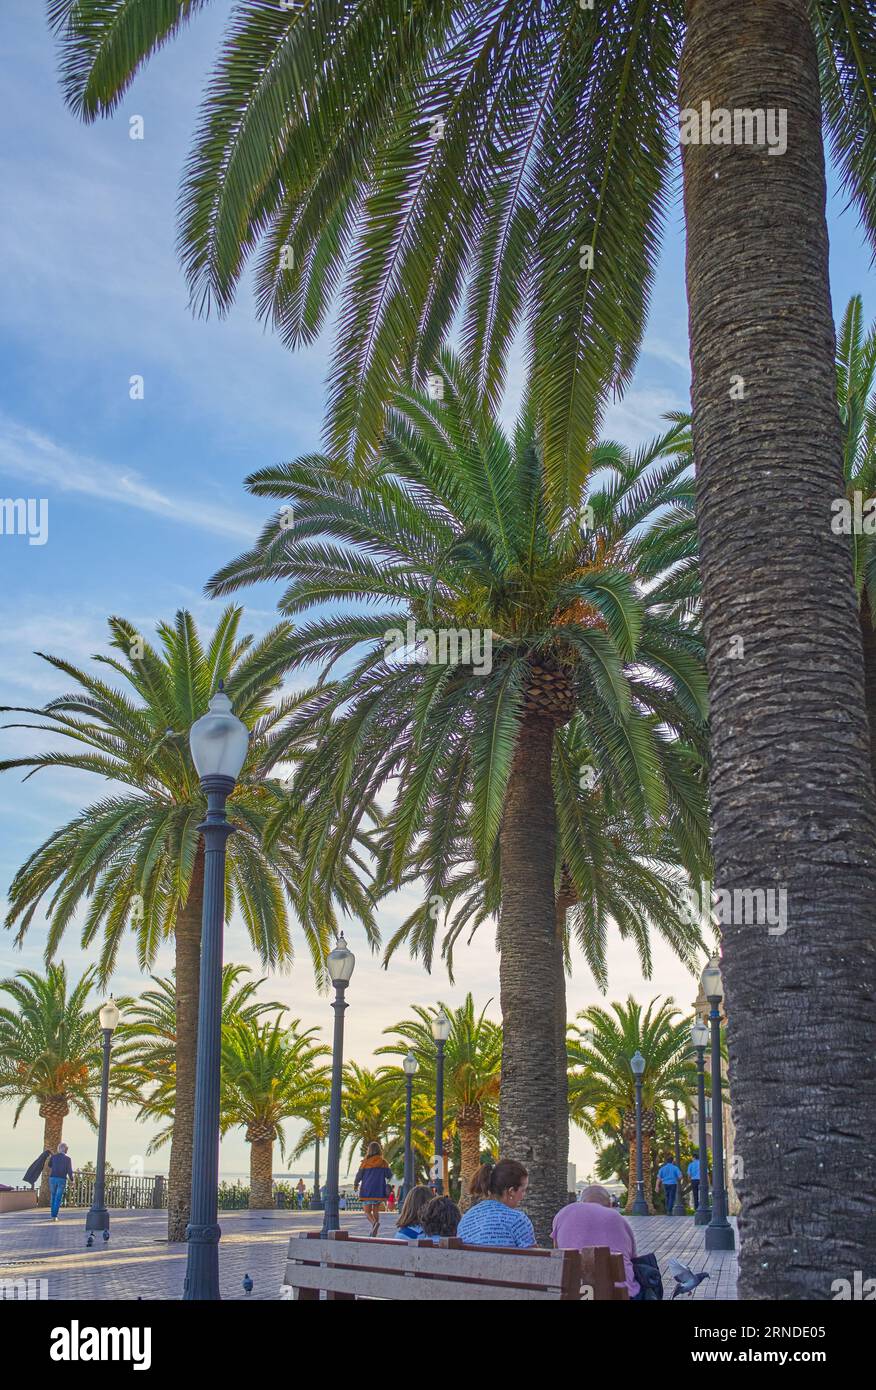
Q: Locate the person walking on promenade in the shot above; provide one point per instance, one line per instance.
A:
(495, 1218)
(60, 1169)
(371, 1183)
(693, 1173)
(669, 1176)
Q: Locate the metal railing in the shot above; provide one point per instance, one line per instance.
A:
(120, 1191)
(124, 1192)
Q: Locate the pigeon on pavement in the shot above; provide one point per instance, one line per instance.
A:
(685, 1279)
(247, 1284)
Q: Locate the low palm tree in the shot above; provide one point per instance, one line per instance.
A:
(472, 1067)
(147, 1055)
(601, 1086)
(134, 860)
(451, 535)
(271, 1072)
(51, 1052)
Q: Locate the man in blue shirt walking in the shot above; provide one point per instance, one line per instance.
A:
(693, 1173)
(669, 1175)
(60, 1169)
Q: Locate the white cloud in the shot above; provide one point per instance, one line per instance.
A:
(30, 457)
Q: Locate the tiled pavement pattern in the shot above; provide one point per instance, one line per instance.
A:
(138, 1262)
(678, 1236)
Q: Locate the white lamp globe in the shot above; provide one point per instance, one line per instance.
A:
(219, 740)
(711, 979)
(441, 1027)
(340, 962)
(109, 1015)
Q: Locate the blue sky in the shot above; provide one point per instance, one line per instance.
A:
(145, 496)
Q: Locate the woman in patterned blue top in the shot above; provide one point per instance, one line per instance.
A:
(495, 1219)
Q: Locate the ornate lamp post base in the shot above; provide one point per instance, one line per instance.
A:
(720, 1237)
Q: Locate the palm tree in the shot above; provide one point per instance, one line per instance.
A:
(511, 164)
(148, 1053)
(270, 1073)
(451, 534)
(601, 1085)
(472, 1063)
(135, 858)
(51, 1052)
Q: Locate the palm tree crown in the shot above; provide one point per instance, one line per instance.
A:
(452, 537)
(132, 856)
(515, 157)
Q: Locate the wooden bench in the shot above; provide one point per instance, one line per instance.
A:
(346, 1267)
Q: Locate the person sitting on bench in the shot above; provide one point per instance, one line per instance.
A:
(409, 1224)
(440, 1218)
(495, 1218)
(593, 1221)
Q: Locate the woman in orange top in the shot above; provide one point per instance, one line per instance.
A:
(371, 1184)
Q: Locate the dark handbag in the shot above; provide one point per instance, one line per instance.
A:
(647, 1272)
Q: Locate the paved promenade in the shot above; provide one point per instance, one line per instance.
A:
(138, 1262)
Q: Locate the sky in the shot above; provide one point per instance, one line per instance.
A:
(145, 496)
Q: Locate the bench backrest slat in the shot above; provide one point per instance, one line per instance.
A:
(345, 1267)
(376, 1284)
(499, 1265)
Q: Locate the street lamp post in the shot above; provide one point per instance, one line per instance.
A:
(219, 742)
(678, 1209)
(640, 1206)
(699, 1036)
(98, 1216)
(719, 1232)
(340, 966)
(440, 1032)
(317, 1195)
(409, 1066)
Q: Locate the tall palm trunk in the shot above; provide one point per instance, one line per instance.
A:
(188, 979)
(469, 1131)
(868, 642)
(792, 789)
(528, 974)
(629, 1133)
(648, 1119)
(261, 1169)
(53, 1110)
(565, 900)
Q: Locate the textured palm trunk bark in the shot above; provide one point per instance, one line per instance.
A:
(187, 977)
(792, 789)
(647, 1159)
(53, 1133)
(469, 1160)
(527, 974)
(261, 1169)
(564, 902)
(631, 1173)
(868, 642)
